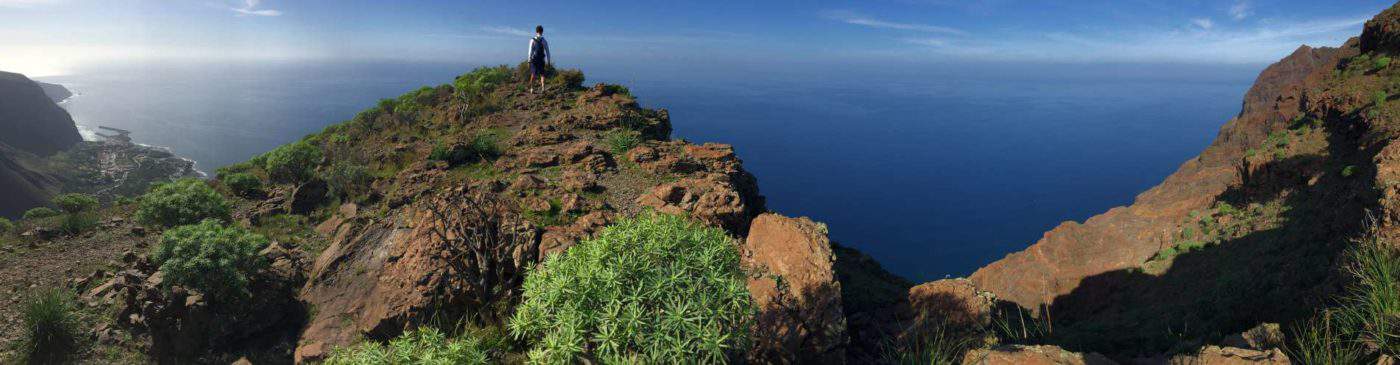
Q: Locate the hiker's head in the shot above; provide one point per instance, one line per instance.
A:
(539, 29)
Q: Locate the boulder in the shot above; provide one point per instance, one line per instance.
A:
(713, 200)
(579, 181)
(377, 279)
(1032, 355)
(954, 303)
(1262, 337)
(800, 318)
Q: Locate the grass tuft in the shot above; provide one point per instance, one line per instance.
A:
(50, 329)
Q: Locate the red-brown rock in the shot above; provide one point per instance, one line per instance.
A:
(1032, 355)
(801, 320)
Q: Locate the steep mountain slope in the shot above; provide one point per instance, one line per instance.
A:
(24, 187)
(30, 119)
(1247, 232)
(55, 92)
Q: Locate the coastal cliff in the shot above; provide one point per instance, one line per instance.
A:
(31, 120)
(1250, 231)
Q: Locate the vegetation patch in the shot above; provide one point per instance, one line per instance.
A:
(77, 217)
(242, 184)
(422, 346)
(293, 163)
(50, 327)
(210, 257)
(1366, 324)
(621, 140)
(186, 201)
(648, 289)
(40, 213)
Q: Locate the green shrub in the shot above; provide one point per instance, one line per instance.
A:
(1319, 341)
(245, 166)
(483, 146)
(186, 201)
(621, 140)
(1382, 62)
(40, 213)
(366, 117)
(6, 226)
(388, 105)
(50, 329)
(480, 81)
(72, 203)
(650, 289)
(1226, 209)
(293, 162)
(348, 179)
(616, 89)
(412, 102)
(123, 200)
(426, 346)
(242, 184)
(568, 79)
(1366, 322)
(1016, 326)
(1371, 309)
(75, 223)
(938, 346)
(1380, 97)
(214, 259)
(1349, 171)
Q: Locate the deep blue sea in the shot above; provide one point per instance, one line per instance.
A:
(934, 171)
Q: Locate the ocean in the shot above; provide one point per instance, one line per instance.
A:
(933, 171)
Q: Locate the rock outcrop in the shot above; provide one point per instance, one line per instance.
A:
(185, 325)
(31, 120)
(1032, 355)
(385, 272)
(800, 319)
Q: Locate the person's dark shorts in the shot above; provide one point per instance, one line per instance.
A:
(537, 68)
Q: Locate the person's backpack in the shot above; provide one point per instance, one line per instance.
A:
(537, 49)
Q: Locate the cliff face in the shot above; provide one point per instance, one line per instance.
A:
(30, 119)
(55, 92)
(1247, 232)
(1125, 237)
(24, 187)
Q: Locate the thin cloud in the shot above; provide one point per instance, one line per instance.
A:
(930, 42)
(250, 7)
(1241, 10)
(24, 3)
(1203, 23)
(508, 31)
(1259, 44)
(867, 21)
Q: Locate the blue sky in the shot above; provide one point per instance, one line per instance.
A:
(54, 36)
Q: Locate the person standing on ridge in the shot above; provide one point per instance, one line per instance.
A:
(539, 57)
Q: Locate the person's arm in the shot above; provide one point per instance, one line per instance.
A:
(547, 57)
(530, 55)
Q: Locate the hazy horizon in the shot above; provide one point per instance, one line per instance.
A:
(55, 37)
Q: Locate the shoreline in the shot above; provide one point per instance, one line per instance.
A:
(89, 134)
